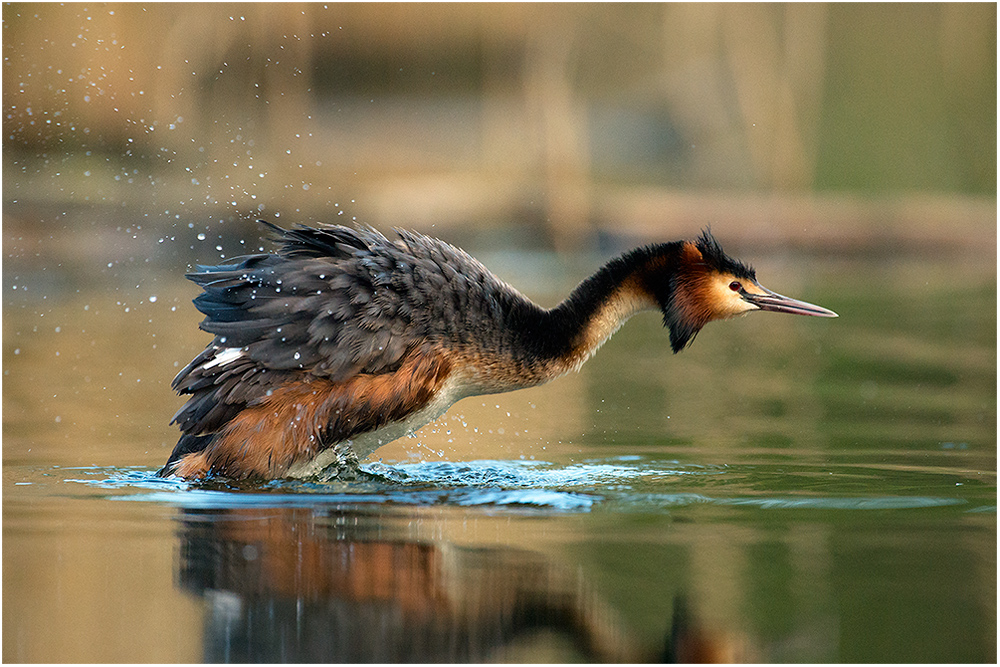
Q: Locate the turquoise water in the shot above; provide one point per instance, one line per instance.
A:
(788, 489)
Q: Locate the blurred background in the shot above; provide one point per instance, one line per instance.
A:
(834, 125)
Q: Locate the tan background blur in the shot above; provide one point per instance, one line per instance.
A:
(822, 123)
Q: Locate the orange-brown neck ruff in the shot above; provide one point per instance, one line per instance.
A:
(691, 304)
(698, 283)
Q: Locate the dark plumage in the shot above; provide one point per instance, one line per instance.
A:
(343, 335)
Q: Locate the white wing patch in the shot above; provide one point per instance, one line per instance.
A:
(226, 355)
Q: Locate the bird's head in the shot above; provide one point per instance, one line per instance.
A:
(705, 284)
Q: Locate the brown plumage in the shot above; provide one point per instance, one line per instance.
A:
(344, 340)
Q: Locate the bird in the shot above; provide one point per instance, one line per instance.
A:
(344, 339)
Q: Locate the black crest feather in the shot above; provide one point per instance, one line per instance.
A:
(715, 257)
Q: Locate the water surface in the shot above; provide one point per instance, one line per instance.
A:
(788, 489)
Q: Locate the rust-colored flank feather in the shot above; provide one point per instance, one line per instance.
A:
(299, 418)
(344, 340)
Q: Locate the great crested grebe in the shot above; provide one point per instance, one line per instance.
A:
(344, 340)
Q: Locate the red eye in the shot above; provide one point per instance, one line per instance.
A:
(735, 286)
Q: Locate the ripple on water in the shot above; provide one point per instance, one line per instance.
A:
(620, 484)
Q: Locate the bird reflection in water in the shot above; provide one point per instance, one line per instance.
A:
(298, 584)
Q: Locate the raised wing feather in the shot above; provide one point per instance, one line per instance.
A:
(323, 305)
(332, 303)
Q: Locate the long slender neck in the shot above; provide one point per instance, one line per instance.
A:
(562, 338)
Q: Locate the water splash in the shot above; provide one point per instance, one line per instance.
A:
(619, 484)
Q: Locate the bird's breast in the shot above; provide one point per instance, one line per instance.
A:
(457, 386)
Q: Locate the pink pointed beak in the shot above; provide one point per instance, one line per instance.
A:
(777, 303)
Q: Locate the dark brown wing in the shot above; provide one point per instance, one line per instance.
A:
(323, 306)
